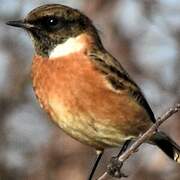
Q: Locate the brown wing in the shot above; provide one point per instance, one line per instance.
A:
(119, 78)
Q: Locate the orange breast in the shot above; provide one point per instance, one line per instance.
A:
(78, 98)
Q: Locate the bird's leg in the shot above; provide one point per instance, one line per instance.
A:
(98, 158)
(114, 167)
(124, 147)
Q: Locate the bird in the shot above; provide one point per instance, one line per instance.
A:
(83, 88)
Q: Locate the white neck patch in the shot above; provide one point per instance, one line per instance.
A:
(72, 45)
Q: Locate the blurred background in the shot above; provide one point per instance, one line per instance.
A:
(144, 35)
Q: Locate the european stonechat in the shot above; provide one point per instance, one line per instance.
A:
(83, 88)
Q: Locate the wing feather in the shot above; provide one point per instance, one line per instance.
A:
(119, 78)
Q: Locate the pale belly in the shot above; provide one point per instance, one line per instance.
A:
(85, 128)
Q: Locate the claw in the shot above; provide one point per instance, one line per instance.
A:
(114, 168)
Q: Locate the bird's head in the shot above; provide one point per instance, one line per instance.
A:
(54, 24)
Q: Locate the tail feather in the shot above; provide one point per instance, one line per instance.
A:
(167, 145)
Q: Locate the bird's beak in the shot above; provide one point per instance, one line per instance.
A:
(20, 24)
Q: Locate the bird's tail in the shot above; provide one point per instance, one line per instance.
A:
(167, 145)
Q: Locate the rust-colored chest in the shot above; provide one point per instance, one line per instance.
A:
(71, 80)
(79, 100)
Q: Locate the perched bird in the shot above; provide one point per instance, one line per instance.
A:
(83, 88)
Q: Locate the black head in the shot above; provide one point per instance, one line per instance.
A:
(53, 24)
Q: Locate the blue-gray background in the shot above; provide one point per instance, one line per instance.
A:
(144, 35)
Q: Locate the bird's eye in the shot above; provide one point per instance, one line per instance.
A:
(51, 23)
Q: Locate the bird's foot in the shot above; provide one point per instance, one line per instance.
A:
(114, 168)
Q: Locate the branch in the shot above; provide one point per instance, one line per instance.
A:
(114, 168)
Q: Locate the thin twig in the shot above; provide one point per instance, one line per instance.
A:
(149, 133)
